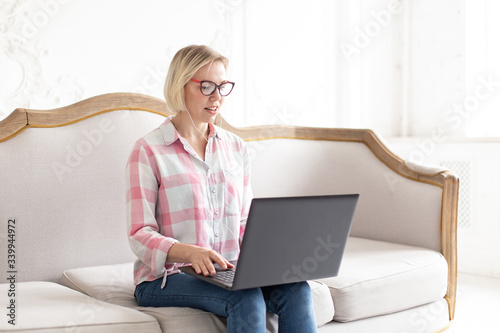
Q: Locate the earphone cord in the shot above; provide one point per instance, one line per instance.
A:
(192, 122)
(232, 233)
(220, 124)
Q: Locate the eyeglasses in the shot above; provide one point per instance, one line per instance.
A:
(207, 88)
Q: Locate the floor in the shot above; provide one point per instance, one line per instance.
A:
(478, 305)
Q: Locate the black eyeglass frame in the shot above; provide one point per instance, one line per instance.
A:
(217, 86)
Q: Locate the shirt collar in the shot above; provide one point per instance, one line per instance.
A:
(170, 134)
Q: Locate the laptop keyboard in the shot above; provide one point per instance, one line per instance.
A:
(226, 276)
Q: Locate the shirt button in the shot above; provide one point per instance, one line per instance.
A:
(213, 190)
(216, 235)
(216, 213)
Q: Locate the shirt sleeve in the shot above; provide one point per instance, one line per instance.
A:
(145, 240)
(247, 192)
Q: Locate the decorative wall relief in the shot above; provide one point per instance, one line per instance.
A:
(22, 80)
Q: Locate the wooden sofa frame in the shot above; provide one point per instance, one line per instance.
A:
(21, 119)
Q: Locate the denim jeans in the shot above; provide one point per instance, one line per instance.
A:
(245, 310)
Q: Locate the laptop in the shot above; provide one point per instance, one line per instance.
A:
(289, 239)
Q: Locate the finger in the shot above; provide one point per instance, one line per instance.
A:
(227, 264)
(223, 263)
(206, 271)
(196, 268)
(201, 268)
(209, 268)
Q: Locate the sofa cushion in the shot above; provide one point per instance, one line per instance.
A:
(50, 307)
(323, 303)
(114, 284)
(378, 278)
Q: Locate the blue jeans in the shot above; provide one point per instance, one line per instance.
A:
(245, 310)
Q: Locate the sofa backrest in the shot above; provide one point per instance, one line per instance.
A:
(387, 199)
(65, 189)
(62, 180)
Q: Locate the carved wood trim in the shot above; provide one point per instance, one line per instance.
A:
(13, 124)
(449, 216)
(21, 119)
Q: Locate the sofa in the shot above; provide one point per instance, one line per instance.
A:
(67, 263)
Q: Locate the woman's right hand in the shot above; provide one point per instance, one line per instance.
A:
(201, 259)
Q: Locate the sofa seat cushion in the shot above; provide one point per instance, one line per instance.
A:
(378, 278)
(51, 307)
(114, 284)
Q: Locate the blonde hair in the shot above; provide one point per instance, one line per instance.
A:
(186, 62)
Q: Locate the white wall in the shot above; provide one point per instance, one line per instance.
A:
(411, 69)
(56, 52)
(400, 67)
(285, 55)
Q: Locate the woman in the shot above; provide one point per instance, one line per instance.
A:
(188, 196)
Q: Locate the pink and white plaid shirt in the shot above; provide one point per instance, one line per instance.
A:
(175, 196)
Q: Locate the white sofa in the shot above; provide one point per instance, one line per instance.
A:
(65, 254)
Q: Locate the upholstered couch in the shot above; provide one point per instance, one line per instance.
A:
(66, 260)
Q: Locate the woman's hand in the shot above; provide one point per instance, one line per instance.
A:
(200, 258)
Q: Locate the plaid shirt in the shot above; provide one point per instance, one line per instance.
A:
(175, 196)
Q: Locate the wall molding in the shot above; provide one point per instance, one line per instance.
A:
(24, 56)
